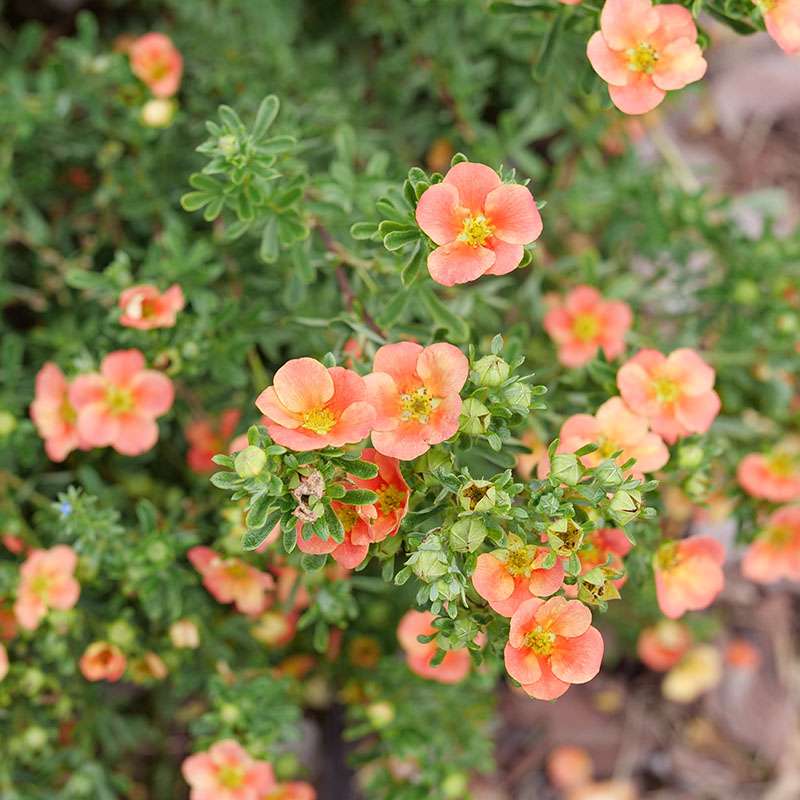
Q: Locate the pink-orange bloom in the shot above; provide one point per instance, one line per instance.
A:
(551, 645)
(103, 661)
(46, 581)
(508, 577)
(207, 437)
(775, 553)
(479, 223)
(643, 51)
(231, 580)
(3, 662)
(227, 772)
(294, 790)
(688, 574)
(675, 392)
(145, 308)
(774, 476)
(392, 491)
(782, 18)
(605, 546)
(158, 63)
(586, 322)
(310, 406)
(453, 668)
(663, 645)
(53, 414)
(415, 393)
(118, 406)
(614, 427)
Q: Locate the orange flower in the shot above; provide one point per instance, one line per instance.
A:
(455, 665)
(103, 662)
(663, 645)
(584, 323)
(53, 414)
(158, 63)
(392, 491)
(774, 476)
(227, 772)
(775, 553)
(118, 406)
(569, 766)
(643, 51)
(508, 577)
(46, 581)
(551, 645)
(479, 223)
(605, 546)
(675, 392)
(294, 790)
(688, 574)
(782, 18)
(207, 437)
(415, 393)
(614, 427)
(145, 308)
(310, 406)
(231, 580)
(3, 662)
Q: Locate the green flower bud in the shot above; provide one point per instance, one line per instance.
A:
(608, 473)
(7, 423)
(518, 396)
(625, 506)
(229, 713)
(477, 496)
(788, 323)
(430, 561)
(746, 292)
(455, 785)
(35, 738)
(491, 371)
(467, 535)
(249, 462)
(122, 634)
(227, 144)
(565, 468)
(690, 456)
(32, 681)
(380, 714)
(475, 417)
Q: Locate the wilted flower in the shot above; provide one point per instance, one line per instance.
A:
(479, 223)
(643, 51)
(145, 308)
(586, 322)
(46, 581)
(415, 393)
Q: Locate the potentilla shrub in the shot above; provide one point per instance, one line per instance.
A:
(409, 384)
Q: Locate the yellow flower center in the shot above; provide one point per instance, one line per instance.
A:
(642, 58)
(476, 230)
(519, 561)
(348, 516)
(782, 465)
(765, 5)
(236, 570)
(666, 557)
(417, 405)
(40, 586)
(68, 413)
(607, 448)
(389, 498)
(541, 641)
(319, 420)
(119, 400)
(230, 777)
(666, 390)
(779, 536)
(585, 327)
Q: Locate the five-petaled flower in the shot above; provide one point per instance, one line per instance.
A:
(614, 427)
(392, 491)
(145, 308)
(585, 322)
(455, 665)
(415, 393)
(226, 771)
(353, 549)
(53, 414)
(675, 392)
(551, 645)
(158, 63)
(231, 580)
(774, 476)
(688, 574)
(775, 552)
(46, 581)
(103, 661)
(508, 577)
(643, 51)
(782, 19)
(310, 406)
(479, 223)
(118, 406)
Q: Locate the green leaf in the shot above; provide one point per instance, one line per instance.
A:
(269, 249)
(334, 524)
(396, 240)
(359, 497)
(455, 325)
(290, 538)
(259, 511)
(267, 112)
(361, 469)
(225, 480)
(252, 539)
(312, 562)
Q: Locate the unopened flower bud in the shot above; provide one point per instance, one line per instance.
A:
(249, 462)
(746, 292)
(518, 396)
(7, 423)
(122, 634)
(380, 714)
(565, 468)
(158, 113)
(625, 506)
(467, 535)
(477, 496)
(227, 144)
(229, 713)
(35, 738)
(430, 561)
(455, 786)
(475, 417)
(608, 473)
(690, 456)
(491, 371)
